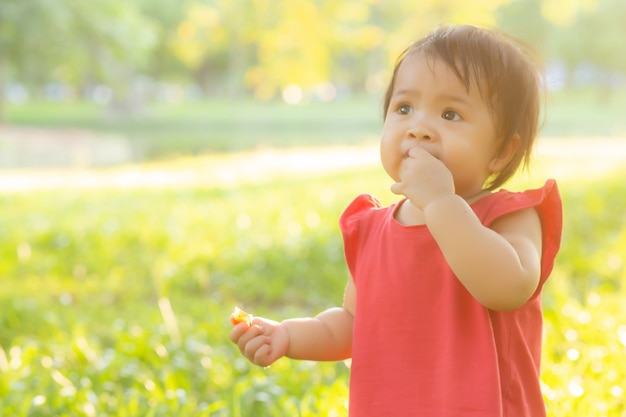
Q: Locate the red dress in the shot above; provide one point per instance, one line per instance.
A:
(422, 345)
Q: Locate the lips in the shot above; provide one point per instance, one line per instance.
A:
(405, 155)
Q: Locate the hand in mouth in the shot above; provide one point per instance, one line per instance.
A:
(408, 151)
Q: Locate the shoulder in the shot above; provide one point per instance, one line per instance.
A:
(545, 200)
(356, 210)
(533, 215)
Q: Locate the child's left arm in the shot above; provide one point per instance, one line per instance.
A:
(500, 266)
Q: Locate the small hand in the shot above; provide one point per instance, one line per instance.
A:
(423, 178)
(263, 342)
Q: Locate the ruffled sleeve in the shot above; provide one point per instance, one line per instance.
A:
(547, 202)
(350, 222)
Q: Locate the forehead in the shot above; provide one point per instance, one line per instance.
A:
(421, 70)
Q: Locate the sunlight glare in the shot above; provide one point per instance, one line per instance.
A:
(293, 94)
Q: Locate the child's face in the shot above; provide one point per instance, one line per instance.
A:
(432, 109)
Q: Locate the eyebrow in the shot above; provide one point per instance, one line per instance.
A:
(456, 98)
(406, 92)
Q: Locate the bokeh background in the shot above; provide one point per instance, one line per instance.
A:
(164, 161)
(138, 80)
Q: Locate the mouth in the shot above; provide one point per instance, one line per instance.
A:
(406, 154)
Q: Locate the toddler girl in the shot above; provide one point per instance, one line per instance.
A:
(442, 313)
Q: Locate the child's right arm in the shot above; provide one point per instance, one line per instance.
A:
(325, 337)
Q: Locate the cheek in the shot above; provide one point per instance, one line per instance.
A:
(389, 156)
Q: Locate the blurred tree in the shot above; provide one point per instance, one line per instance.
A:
(351, 42)
(292, 49)
(594, 39)
(601, 35)
(165, 17)
(214, 39)
(263, 46)
(71, 41)
(404, 21)
(355, 42)
(113, 43)
(565, 12)
(524, 20)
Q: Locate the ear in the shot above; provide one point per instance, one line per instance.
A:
(505, 154)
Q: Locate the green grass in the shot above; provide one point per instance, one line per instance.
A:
(89, 278)
(161, 130)
(116, 302)
(586, 113)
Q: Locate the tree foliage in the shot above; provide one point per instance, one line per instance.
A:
(261, 47)
(575, 33)
(72, 42)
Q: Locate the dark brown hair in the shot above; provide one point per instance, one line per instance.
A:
(506, 73)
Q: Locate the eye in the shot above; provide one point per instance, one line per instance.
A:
(451, 115)
(405, 109)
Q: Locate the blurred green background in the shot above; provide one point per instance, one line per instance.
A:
(141, 80)
(163, 161)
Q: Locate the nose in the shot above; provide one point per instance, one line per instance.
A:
(421, 129)
(420, 135)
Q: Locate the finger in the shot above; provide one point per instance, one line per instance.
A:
(253, 346)
(237, 331)
(247, 336)
(414, 152)
(256, 320)
(397, 188)
(263, 356)
(417, 151)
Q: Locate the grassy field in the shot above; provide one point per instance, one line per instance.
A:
(118, 282)
(115, 301)
(161, 130)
